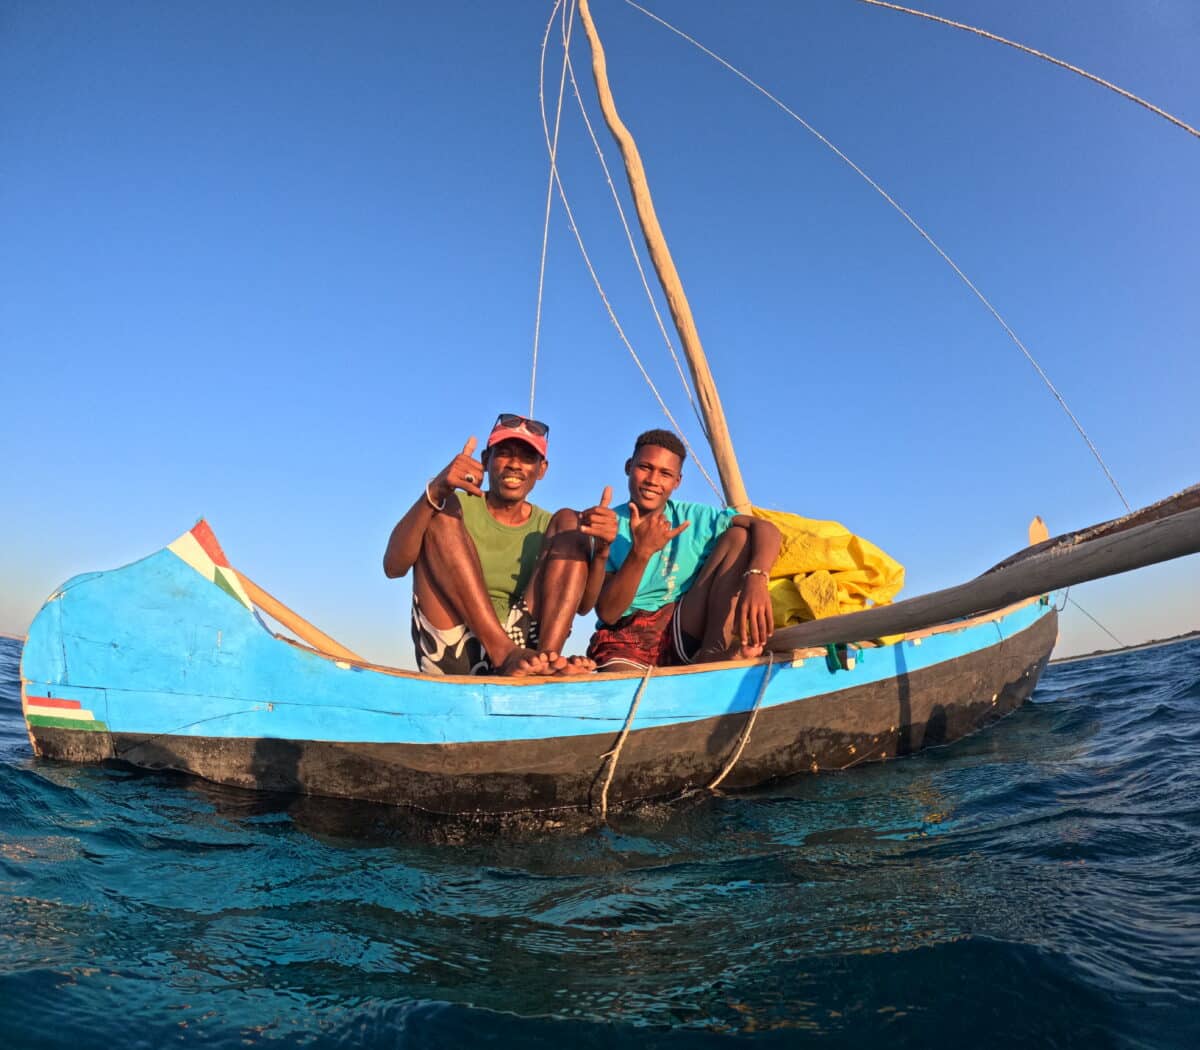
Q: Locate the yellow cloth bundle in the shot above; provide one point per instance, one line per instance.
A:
(823, 569)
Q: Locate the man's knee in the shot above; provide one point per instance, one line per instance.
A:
(563, 538)
(728, 554)
(443, 529)
(445, 543)
(732, 542)
(565, 520)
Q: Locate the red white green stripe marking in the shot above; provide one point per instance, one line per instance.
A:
(200, 549)
(61, 714)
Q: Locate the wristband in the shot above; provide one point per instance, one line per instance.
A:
(757, 572)
(429, 498)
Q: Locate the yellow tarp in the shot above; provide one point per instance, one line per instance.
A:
(823, 569)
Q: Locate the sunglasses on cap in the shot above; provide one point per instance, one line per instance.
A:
(509, 421)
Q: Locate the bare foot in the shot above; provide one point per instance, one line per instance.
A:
(577, 665)
(555, 661)
(522, 663)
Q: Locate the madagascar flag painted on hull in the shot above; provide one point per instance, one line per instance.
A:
(61, 714)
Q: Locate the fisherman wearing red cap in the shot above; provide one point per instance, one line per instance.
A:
(497, 579)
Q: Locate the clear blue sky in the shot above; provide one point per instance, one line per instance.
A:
(273, 263)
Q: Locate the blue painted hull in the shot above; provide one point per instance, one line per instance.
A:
(153, 664)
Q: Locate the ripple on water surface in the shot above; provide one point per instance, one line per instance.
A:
(1036, 882)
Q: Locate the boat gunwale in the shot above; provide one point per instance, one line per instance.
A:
(786, 655)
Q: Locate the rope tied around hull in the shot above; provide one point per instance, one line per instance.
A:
(615, 753)
(745, 737)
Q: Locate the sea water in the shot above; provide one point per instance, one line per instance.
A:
(1038, 883)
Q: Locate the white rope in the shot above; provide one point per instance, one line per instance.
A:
(745, 738)
(612, 316)
(637, 258)
(568, 24)
(615, 753)
(910, 220)
(1040, 54)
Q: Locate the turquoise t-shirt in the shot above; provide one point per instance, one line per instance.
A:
(672, 570)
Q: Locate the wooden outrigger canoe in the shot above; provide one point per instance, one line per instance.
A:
(164, 664)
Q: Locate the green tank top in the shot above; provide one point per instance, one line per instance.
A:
(508, 553)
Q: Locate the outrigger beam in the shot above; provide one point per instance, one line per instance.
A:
(668, 276)
(1168, 529)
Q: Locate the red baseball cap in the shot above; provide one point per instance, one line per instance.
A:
(532, 431)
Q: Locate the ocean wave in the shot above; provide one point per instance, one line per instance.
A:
(1034, 883)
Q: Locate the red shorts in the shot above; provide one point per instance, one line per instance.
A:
(642, 639)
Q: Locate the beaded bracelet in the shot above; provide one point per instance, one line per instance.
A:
(756, 572)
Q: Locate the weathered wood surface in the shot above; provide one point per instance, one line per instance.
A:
(1169, 529)
(1188, 499)
(668, 276)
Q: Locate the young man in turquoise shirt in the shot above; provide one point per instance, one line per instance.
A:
(684, 582)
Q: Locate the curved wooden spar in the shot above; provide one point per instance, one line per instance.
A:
(295, 623)
(668, 276)
(1170, 529)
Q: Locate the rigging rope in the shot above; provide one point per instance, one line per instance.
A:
(1039, 54)
(1094, 620)
(910, 220)
(612, 316)
(568, 25)
(637, 258)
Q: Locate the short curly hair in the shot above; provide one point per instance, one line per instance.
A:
(661, 439)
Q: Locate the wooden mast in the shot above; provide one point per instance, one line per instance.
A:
(668, 276)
